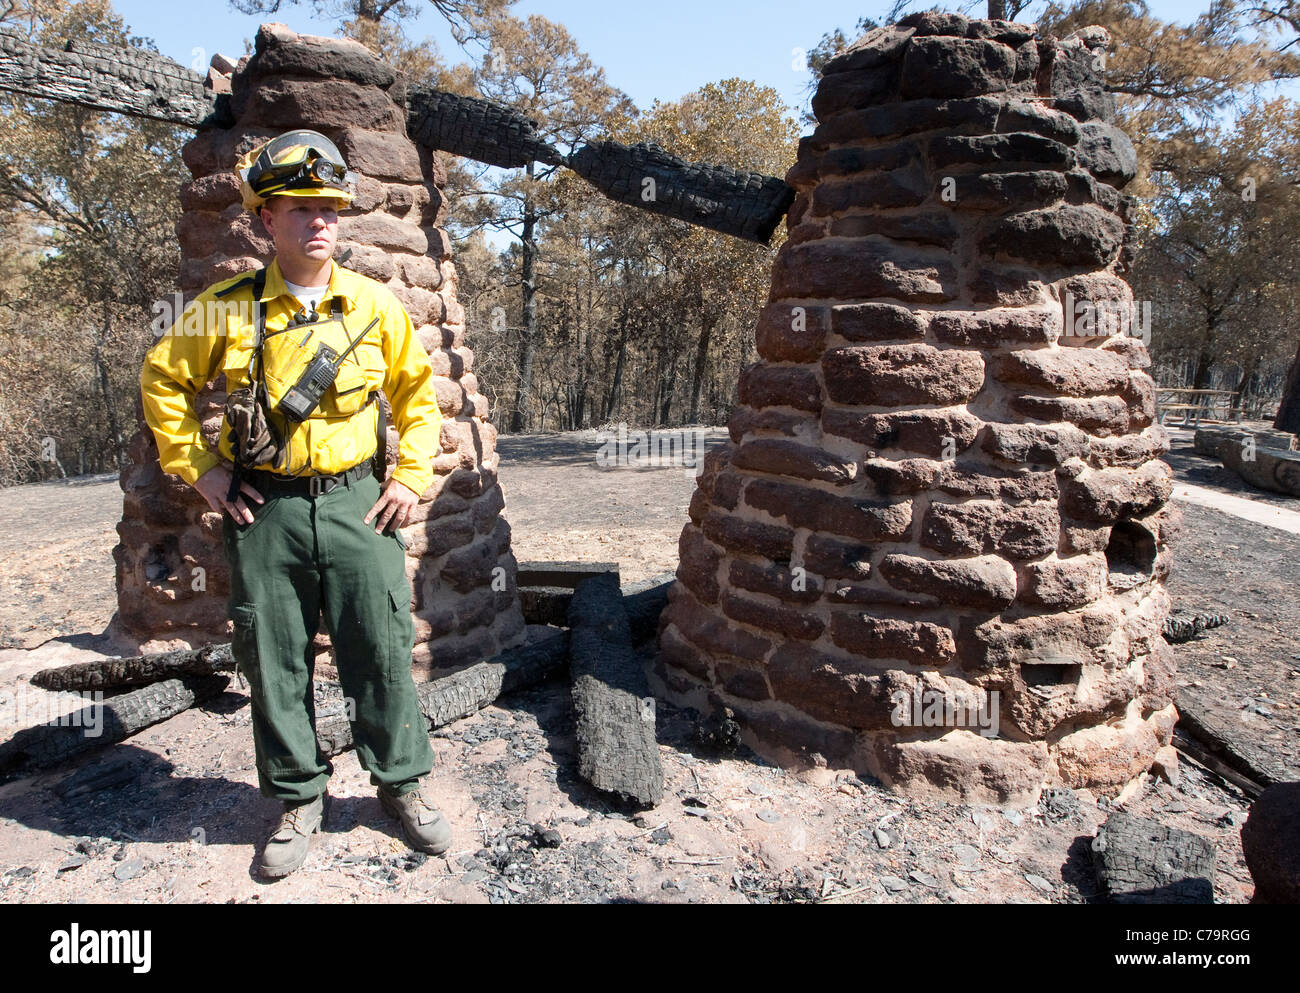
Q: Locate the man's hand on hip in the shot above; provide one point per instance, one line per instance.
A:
(214, 487)
(394, 506)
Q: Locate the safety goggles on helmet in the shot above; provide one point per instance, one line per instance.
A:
(297, 160)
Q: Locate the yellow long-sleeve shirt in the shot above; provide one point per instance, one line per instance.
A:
(216, 334)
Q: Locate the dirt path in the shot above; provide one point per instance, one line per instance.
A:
(562, 506)
(57, 574)
(183, 820)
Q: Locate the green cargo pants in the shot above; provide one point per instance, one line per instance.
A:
(302, 555)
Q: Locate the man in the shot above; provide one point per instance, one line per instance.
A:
(305, 346)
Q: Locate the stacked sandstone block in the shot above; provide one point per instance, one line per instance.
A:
(466, 604)
(934, 485)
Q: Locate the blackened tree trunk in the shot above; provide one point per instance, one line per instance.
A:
(666, 401)
(527, 347)
(105, 390)
(470, 690)
(104, 722)
(701, 365)
(616, 383)
(1288, 412)
(1246, 384)
(578, 392)
(614, 713)
(138, 670)
(1201, 378)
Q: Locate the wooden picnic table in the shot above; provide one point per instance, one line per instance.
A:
(1197, 406)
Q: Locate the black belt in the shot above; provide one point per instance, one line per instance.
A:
(270, 483)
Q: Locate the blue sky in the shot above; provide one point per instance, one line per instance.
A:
(662, 50)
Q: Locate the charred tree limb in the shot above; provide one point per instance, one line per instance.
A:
(461, 694)
(123, 80)
(614, 712)
(140, 670)
(745, 205)
(103, 723)
(1177, 629)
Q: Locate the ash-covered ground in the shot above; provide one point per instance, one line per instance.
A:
(174, 814)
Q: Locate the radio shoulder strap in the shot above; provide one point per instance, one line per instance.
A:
(259, 287)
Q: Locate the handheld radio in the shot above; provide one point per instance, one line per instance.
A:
(303, 397)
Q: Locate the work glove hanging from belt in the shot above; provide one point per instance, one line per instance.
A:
(254, 440)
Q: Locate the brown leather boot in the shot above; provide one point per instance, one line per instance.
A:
(286, 849)
(423, 826)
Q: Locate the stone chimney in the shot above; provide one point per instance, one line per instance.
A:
(171, 575)
(934, 550)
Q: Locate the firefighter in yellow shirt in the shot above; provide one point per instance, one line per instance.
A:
(309, 525)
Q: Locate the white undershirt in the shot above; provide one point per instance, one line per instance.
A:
(308, 296)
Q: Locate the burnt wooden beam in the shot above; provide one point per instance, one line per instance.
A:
(1199, 718)
(123, 80)
(744, 205)
(614, 712)
(562, 574)
(747, 205)
(1141, 861)
(644, 601)
(468, 691)
(105, 723)
(138, 670)
(476, 129)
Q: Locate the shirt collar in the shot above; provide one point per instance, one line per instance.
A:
(341, 285)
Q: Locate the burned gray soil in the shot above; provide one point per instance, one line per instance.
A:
(175, 815)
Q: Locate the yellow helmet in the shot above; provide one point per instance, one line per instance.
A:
(296, 164)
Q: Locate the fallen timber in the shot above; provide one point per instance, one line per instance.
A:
(104, 723)
(643, 601)
(614, 713)
(468, 691)
(184, 678)
(139, 670)
(545, 588)
(451, 698)
(1141, 861)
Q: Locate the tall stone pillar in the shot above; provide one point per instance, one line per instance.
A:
(940, 485)
(171, 574)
